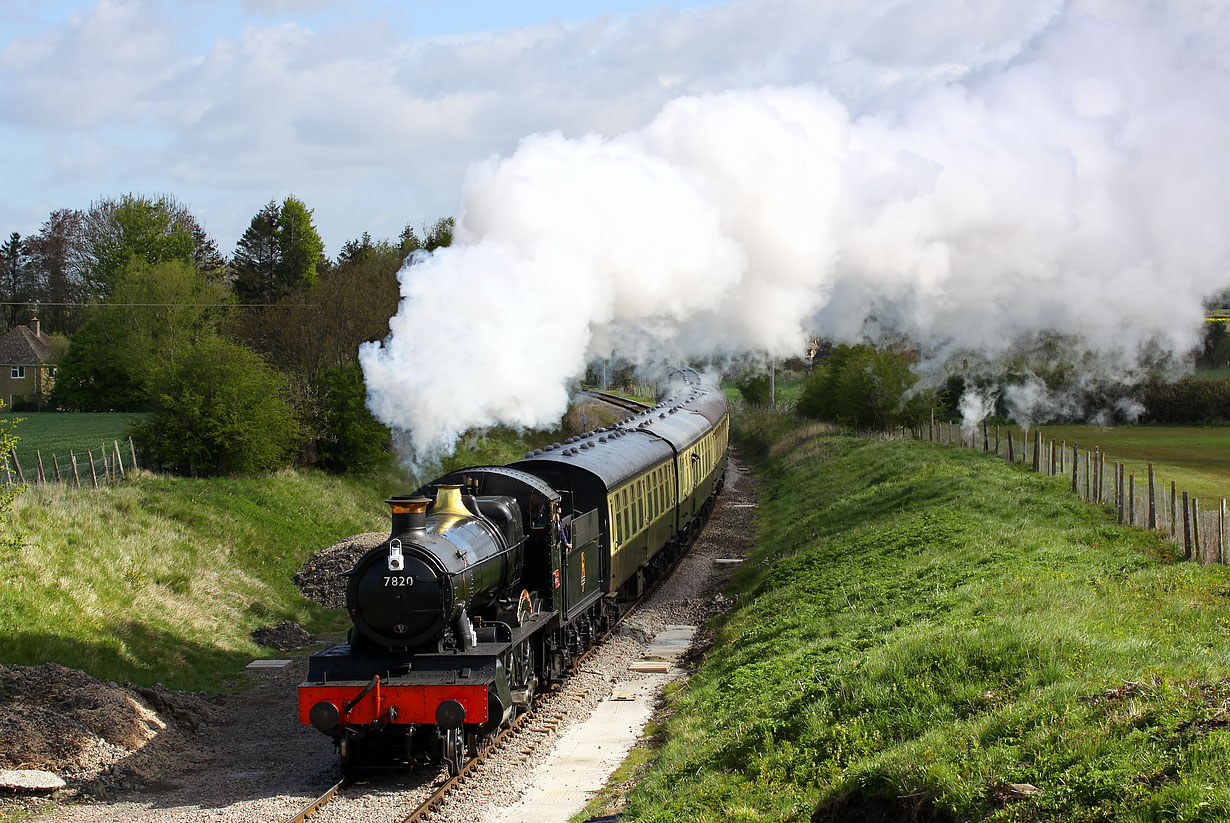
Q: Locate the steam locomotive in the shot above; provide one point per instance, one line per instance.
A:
(494, 579)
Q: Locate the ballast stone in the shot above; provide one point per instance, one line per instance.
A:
(30, 780)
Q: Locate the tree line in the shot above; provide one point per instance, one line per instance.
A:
(245, 362)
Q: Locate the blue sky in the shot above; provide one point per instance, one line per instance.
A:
(228, 104)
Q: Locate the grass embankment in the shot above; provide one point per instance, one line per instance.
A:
(925, 631)
(59, 433)
(1197, 458)
(162, 579)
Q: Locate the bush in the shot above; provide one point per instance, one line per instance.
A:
(755, 390)
(865, 388)
(1189, 400)
(218, 410)
(351, 439)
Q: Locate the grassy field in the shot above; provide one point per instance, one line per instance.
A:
(931, 634)
(59, 432)
(1196, 458)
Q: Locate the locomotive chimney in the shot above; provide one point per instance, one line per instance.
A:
(409, 514)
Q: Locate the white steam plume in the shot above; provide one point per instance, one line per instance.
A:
(1078, 184)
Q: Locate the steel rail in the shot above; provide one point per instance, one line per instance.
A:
(310, 809)
(619, 402)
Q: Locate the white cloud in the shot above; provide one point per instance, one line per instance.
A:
(359, 115)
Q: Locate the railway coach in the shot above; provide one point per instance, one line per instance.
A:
(494, 579)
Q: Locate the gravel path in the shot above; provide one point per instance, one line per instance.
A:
(254, 762)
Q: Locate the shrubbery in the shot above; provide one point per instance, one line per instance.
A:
(755, 389)
(1189, 400)
(866, 388)
(219, 409)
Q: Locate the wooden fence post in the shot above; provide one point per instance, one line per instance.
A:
(1076, 462)
(1102, 477)
(1174, 513)
(1050, 458)
(55, 463)
(93, 471)
(1187, 529)
(1097, 474)
(986, 439)
(1152, 500)
(1063, 450)
(132, 452)
(1221, 532)
(1197, 548)
(1119, 507)
(76, 477)
(21, 476)
(1011, 456)
(1131, 499)
(1037, 450)
(42, 475)
(119, 459)
(931, 428)
(997, 438)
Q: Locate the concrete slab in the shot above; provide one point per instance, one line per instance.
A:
(268, 664)
(31, 780)
(587, 754)
(670, 643)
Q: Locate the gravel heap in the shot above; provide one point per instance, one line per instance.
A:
(65, 721)
(321, 578)
(284, 637)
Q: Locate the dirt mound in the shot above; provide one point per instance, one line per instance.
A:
(284, 637)
(321, 578)
(65, 721)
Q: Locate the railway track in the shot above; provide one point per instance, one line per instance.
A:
(622, 403)
(437, 798)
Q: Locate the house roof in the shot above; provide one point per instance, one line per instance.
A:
(21, 347)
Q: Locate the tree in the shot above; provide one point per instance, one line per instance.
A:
(156, 312)
(279, 253)
(16, 287)
(436, 236)
(865, 388)
(1216, 344)
(299, 246)
(350, 439)
(219, 409)
(256, 256)
(144, 229)
(57, 262)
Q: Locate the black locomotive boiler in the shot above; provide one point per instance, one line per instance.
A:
(495, 578)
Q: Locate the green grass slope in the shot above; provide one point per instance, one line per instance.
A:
(930, 634)
(163, 578)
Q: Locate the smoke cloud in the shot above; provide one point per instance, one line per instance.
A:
(1073, 183)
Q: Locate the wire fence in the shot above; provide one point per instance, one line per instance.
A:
(91, 469)
(1149, 502)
